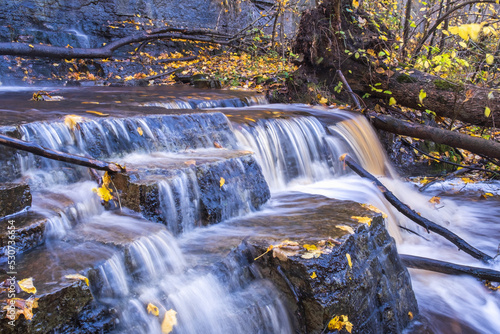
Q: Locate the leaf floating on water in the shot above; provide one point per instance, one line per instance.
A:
(348, 256)
(72, 121)
(169, 321)
(337, 324)
(222, 181)
(139, 130)
(435, 200)
(345, 228)
(364, 220)
(27, 285)
(98, 113)
(153, 309)
(217, 145)
(78, 276)
(313, 276)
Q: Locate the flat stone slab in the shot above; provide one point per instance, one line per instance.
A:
(14, 197)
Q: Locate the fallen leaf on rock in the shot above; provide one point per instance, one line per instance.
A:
(222, 181)
(374, 209)
(349, 262)
(78, 276)
(139, 131)
(27, 285)
(98, 113)
(337, 324)
(190, 162)
(313, 276)
(345, 228)
(363, 220)
(169, 321)
(22, 306)
(217, 145)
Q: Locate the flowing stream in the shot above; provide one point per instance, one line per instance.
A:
(190, 268)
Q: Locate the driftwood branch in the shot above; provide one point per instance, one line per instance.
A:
(476, 145)
(58, 52)
(424, 222)
(449, 268)
(349, 90)
(59, 156)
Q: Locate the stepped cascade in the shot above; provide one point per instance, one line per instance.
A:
(213, 178)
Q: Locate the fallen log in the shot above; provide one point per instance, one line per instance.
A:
(424, 222)
(35, 148)
(476, 145)
(59, 52)
(443, 267)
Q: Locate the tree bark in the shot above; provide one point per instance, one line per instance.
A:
(449, 268)
(475, 145)
(60, 156)
(424, 222)
(327, 50)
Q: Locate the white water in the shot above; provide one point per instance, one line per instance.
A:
(296, 155)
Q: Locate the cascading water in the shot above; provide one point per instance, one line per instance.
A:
(462, 301)
(135, 262)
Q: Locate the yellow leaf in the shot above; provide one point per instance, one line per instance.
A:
(421, 96)
(410, 315)
(98, 113)
(374, 208)
(72, 120)
(487, 112)
(462, 44)
(488, 194)
(490, 59)
(313, 276)
(379, 70)
(190, 162)
(31, 46)
(104, 193)
(345, 228)
(169, 321)
(435, 200)
(139, 130)
(153, 310)
(364, 220)
(270, 248)
(392, 101)
(337, 324)
(323, 100)
(355, 4)
(78, 276)
(27, 285)
(348, 256)
(222, 181)
(383, 38)
(310, 247)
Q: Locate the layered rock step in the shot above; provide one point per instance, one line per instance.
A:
(327, 257)
(195, 188)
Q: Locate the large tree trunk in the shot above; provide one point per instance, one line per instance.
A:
(327, 50)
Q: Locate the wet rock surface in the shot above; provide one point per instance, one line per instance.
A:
(375, 293)
(14, 197)
(211, 188)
